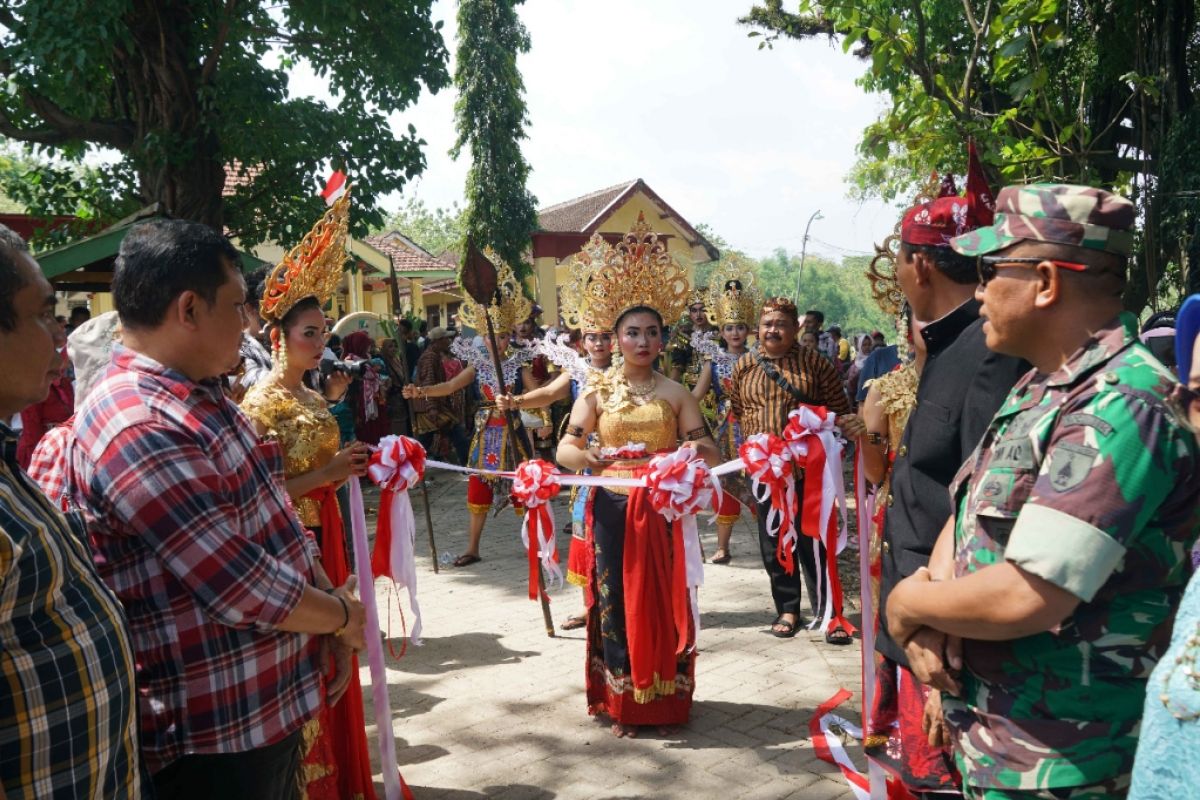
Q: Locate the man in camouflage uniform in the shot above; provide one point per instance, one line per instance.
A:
(1068, 550)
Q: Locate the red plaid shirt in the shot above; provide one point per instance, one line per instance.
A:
(192, 529)
(48, 467)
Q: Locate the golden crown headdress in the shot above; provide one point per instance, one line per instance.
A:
(312, 268)
(638, 271)
(733, 297)
(882, 271)
(573, 302)
(509, 305)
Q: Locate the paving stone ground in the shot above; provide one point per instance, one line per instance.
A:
(491, 707)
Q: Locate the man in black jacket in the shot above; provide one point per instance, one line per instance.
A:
(961, 387)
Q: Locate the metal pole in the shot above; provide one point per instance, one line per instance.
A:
(803, 252)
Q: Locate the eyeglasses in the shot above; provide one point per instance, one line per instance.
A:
(989, 265)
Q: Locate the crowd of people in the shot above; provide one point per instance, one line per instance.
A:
(178, 614)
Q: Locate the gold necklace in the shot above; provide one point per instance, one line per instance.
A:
(645, 390)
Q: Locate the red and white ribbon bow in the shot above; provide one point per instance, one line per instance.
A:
(768, 462)
(535, 484)
(397, 465)
(680, 485)
(811, 437)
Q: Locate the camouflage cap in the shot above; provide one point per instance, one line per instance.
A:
(1082, 216)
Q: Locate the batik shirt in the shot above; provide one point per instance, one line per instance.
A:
(1087, 479)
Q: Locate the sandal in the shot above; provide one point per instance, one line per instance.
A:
(574, 622)
(721, 557)
(466, 560)
(789, 628)
(838, 635)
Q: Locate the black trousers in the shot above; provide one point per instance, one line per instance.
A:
(268, 773)
(785, 589)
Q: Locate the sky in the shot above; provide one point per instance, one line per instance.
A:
(750, 142)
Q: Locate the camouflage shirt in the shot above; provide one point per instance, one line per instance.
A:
(1087, 479)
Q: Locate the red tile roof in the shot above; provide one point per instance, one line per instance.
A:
(584, 215)
(406, 255)
(576, 216)
(237, 175)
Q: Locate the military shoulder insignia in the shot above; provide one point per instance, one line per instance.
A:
(1070, 463)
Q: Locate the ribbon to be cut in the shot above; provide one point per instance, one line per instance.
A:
(768, 462)
(393, 784)
(680, 485)
(811, 438)
(826, 730)
(396, 466)
(535, 484)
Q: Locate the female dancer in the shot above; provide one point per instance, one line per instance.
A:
(491, 449)
(641, 654)
(336, 761)
(735, 303)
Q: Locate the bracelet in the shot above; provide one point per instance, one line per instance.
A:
(345, 615)
(876, 439)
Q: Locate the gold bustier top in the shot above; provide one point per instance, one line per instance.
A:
(305, 430)
(652, 424)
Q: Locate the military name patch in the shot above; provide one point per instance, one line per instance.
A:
(1089, 420)
(1014, 452)
(1070, 463)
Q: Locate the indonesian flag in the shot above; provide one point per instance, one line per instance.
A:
(335, 187)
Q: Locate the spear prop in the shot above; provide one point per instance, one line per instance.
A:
(412, 418)
(479, 280)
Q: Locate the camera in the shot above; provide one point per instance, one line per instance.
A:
(354, 369)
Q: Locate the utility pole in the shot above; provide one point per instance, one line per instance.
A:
(803, 252)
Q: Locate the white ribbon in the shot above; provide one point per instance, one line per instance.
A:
(398, 474)
(687, 498)
(379, 692)
(525, 484)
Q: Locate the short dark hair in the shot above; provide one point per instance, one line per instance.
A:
(405, 324)
(819, 315)
(255, 280)
(163, 258)
(81, 314)
(12, 277)
(955, 266)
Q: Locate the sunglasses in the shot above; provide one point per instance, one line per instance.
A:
(989, 265)
(1186, 403)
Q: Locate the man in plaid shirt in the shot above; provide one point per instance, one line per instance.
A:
(67, 724)
(193, 530)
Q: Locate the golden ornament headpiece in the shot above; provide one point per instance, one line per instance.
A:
(697, 295)
(882, 271)
(573, 301)
(638, 271)
(508, 307)
(727, 304)
(312, 268)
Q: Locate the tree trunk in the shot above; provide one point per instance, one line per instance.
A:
(177, 155)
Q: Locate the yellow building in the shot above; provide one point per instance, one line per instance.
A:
(565, 228)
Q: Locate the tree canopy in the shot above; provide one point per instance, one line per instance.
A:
(491, 117)
(437, 229)
(183, 89)
(1081, 91)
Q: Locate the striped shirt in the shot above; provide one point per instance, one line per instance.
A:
(67, 703)
(762, 405)
(191, 527)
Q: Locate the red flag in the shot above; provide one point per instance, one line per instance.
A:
(980, 200)
(335, 187)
